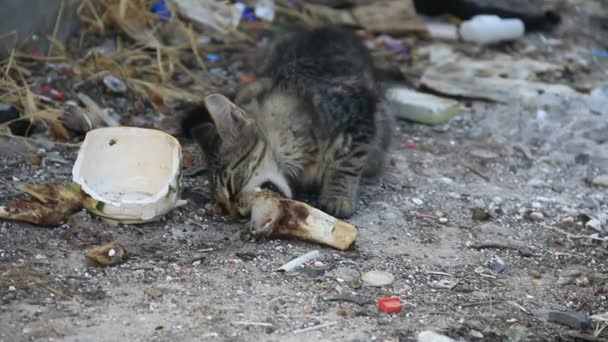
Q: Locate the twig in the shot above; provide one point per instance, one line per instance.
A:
(487, 302)
(523, 251)
(56, 28)
(255, 324)
(316, 327)
(440, 273)
(475, 171)
(569, 235)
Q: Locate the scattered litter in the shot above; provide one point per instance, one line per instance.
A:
(272, 215)
(107, 255)
(95, 110)
(160, 9)
(488, 29)
(345, 297)
(212, 57)
(131, 182)
(59, 132)
(265, 10)
(420, 107)
(316, 327)
(497, 265)
(301, 260)
(575, 320)
(390, 305)
(217, 15)
(505, 79)
(114, 84)
(377, 278)
(443, 31)
(45, 204)
(594, 224)
(254, 324)
(445, 284)
(600, 53)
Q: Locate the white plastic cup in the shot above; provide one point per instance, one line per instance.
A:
(488, 29)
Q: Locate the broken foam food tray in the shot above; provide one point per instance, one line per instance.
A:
(134, 174)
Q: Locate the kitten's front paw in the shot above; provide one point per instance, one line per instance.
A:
(340, 207)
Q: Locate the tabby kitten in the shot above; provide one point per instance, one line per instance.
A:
(310, 121)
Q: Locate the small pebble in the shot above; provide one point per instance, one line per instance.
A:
(497, 265)
(12, 288)
(377, 278)
(483, 154)
(601, 180)
(346, 274)
(475, 334)
(536, 216)
(417, 201)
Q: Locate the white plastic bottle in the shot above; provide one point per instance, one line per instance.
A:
(488, 29)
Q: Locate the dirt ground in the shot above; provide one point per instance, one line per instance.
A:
(191, 277)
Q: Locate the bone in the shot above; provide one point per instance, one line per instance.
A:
(272, 215)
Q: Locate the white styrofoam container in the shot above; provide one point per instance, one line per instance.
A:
(134, 174)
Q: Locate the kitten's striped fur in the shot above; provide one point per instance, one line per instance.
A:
(311, 120)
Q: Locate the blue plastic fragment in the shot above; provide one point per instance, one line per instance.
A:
(599, 53)
(212, 57)
(160, 9)
(248, 14)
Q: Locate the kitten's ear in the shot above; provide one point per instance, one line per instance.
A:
(227, 117)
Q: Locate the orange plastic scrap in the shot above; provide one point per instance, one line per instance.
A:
(390, 304)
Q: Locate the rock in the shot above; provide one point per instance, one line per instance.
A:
(594, 224)
(601, 180)
(347, 274)
(575, 320)
(483, 154)
(378, 278)
(535, 216)
(153, 293)
(475, 334)
(431, 336)
(480, 214)
(491, 228)
(497, 265)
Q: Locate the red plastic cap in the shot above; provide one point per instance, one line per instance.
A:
(390, 304)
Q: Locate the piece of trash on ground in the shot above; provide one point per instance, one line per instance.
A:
(134, 174)
(301, 260)
(488, 29)
(44, 204)
(390, 305)
(505, 79)
(109, 254)
(272, 215)
(420, 107)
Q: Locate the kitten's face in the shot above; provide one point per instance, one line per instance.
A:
(241, 162)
